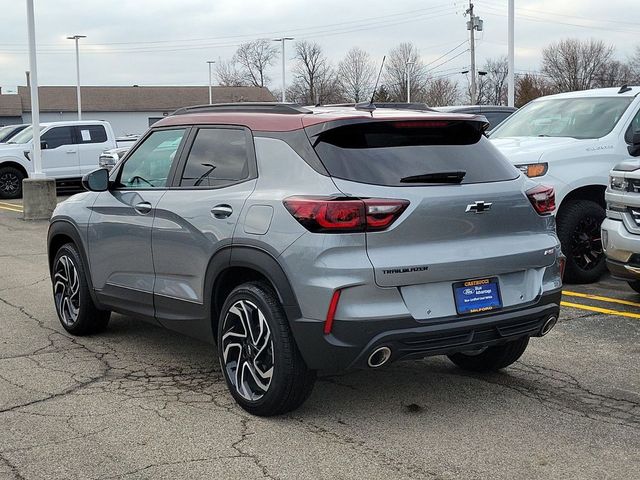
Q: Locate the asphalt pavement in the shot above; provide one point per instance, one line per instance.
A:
(140, 402)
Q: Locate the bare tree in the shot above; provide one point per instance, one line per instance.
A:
(495, 80)
(530, 86)
(401, 60)
(614, 74)
(356, 75)
(573, 64)
(229, 74)
(254, 58)
(314, 78)
(441, 91)
(634, 65)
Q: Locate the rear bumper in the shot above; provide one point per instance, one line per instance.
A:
(351, 343)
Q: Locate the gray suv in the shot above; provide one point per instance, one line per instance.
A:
(305, 240)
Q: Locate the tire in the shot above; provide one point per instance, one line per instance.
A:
(253, 332)
(635, 285)
(74, 305)
(578, 225)
(493, 358)
(10, 183)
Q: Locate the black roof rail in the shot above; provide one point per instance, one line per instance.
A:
(396, 105)
(248, 107)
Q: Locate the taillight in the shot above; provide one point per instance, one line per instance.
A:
(542, 198)
(340, 215)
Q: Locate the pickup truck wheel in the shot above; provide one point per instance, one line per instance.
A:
(10, 182)
(635, 285)
(492, 358)
(578, 226)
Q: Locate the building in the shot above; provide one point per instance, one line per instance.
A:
(130, 110)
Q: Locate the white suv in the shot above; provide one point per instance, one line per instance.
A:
(571, 141)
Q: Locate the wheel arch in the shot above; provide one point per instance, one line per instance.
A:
(240, 264)
(595, 193)
(61, 232)
(16, 165)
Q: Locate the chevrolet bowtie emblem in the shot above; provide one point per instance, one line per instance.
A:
(478, 207)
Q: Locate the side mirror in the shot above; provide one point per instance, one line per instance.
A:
(96, 180)
(634, 148)
(44, 145)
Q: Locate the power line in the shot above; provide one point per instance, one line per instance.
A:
(447, 53)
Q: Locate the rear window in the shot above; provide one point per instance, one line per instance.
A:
(383, 153)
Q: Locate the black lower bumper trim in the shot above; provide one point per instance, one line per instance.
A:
(618, 270)
(352, 342)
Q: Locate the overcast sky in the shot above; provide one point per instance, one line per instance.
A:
(167, 42)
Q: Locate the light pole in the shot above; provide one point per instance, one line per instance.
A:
(511, 83)
(283, 39)
(76, 38)
(409, 82)
(210, 62)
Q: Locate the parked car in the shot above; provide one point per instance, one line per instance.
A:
(9, 131)
(109, 158)
(305, 240)
(69, 150)
(570, 141)
(495, 114)
(621, 228)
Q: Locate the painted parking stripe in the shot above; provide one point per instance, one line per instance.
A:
(600, 298)
(12, 208)
(606, 311)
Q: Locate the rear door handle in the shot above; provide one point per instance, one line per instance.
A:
(222, 211)
(143, 207)
(71, 151)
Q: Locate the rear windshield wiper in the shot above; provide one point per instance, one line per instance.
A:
(437, 177)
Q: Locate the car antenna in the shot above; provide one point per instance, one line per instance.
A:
(370, 107)
(624, 89)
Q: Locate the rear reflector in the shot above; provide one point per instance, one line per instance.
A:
(331, 313)
(340, 215)
(543, 199)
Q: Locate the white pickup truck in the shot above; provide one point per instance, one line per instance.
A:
(571, 141)
(69, 150)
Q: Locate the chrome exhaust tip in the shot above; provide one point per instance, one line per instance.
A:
(379, 357)
(548, 325)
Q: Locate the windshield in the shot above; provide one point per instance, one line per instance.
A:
(586, 117)
(5, 132)
(24, 136)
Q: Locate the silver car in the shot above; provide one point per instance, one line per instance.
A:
(305, 240)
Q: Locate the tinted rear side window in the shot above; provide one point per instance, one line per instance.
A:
(382, 153)
(217, 158)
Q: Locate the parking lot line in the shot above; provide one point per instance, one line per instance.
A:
(606, 311)
(600, 298)
(11, 207)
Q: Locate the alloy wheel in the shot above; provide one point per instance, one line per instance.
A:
(66, 290)
(247, 350)
(586, 243)
(9, 183)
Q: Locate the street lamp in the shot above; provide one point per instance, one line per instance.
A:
(409, 82)
(76, 38)
(210, 62)
(283, 39)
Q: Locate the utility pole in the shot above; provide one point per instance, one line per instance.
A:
(474, 23)
(210, 62)
(409, 82)
(76, 38)
(511, 76)
(283, 39)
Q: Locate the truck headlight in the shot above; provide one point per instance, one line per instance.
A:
(533, 170)
(618, 183)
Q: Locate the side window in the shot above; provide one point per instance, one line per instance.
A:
(633, 128)
(218, 157)
(58, 136)
(91, 134)
(149, 165)
(495, 118)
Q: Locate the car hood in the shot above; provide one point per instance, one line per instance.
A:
(530, 149)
